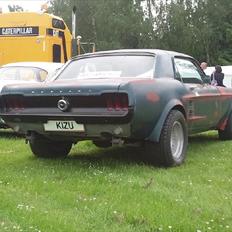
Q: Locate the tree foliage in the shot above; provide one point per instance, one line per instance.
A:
(201, 28)
(15, 8)
(111, 24)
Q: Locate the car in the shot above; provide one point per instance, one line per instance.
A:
(151, 98)
(227, 70)
(26, 72)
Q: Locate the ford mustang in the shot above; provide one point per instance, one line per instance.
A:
(153, 98)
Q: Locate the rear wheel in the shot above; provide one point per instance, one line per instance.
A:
(226, 134)
(171, 149)
(46, 148)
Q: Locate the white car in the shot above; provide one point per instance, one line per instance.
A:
(227, 70)
(26, 72)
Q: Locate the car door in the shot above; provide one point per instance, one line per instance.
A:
(202, 100)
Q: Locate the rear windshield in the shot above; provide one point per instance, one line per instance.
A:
(128, 66)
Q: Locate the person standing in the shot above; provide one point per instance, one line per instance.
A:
(217, 76)
(204, 65)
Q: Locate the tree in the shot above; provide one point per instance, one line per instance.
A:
(111, 24)
(15, 8)
(201, 28)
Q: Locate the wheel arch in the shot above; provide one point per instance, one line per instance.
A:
(174, 104)
(225, 127)
(225, 120)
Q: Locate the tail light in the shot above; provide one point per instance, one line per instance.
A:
(116, 101)
(14, 103)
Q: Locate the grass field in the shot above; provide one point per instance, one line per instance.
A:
(112, 190)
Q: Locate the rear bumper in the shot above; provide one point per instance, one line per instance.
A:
(88, 116)
(98, 131)
(97, 122)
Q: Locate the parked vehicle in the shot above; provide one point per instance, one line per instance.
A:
(152, 97)
(26, 72)
(227, 70)
(31, 36)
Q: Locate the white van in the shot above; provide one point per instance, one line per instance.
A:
(227, 70)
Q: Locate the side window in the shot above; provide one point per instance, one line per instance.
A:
(188, 71)
(42, 75)
(27, 74)
(56, 23)
(9, 73)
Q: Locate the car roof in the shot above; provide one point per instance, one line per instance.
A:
(151, 51)
(48, 66)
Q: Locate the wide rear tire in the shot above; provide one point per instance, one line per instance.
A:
(46, 148)
(172, 146)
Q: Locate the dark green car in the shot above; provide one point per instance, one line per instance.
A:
(153, 98)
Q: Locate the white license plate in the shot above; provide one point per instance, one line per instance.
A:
(63, 126)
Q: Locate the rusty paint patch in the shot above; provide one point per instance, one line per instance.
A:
(223, 124)
(145, 81)
(197, 118)
(201, 96)
(224, 93)
(216, 114)
(222, 90)
(153, 97)
(205, 96)
(187, 97)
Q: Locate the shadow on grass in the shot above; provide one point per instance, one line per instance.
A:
(110, 157)
(9, 134)
(124, 155)
(134, 155)
(204, 138)
(86, 154)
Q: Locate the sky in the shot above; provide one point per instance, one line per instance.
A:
(28, 5)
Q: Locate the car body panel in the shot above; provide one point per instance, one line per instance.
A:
(150, 100)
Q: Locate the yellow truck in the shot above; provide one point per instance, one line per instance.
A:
(30, 36)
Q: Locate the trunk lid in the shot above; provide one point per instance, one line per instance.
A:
(68, 87)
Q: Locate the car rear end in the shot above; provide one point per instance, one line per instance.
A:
(83, 115)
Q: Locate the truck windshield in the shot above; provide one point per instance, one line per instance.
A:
(117, 66)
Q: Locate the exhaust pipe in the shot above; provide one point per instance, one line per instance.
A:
(74, 40)
(74, 22)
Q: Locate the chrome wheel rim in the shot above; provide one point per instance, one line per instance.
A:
(177, 140)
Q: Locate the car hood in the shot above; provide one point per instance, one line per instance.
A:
(82, 86)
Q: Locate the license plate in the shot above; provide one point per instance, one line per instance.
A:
(63, 126)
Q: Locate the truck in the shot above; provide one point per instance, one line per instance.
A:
(31, 36)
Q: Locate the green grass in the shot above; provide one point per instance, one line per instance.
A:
(112, 190)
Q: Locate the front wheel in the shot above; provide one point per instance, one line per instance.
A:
(172, 146)
(46, 148)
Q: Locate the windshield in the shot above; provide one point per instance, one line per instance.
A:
(22, 74)
(130, 66)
